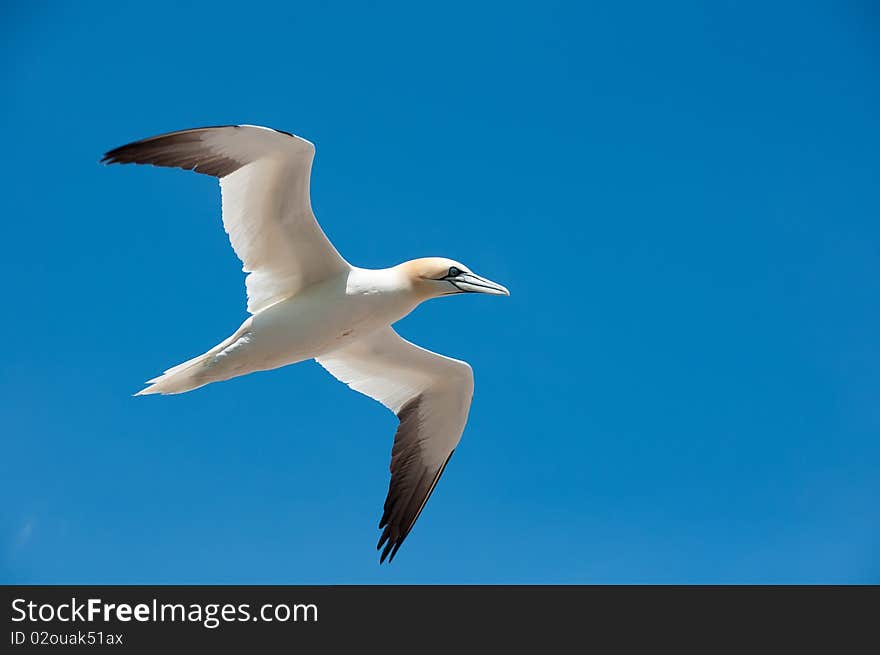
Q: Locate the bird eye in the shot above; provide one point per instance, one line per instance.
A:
(454, 272)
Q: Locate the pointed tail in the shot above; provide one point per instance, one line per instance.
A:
(181, 378)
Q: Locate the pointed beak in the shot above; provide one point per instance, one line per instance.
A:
(472, 283)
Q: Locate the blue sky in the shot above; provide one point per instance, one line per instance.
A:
(682, 198)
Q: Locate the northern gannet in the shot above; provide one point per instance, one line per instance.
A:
(306, 302)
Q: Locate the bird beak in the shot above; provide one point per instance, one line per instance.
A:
(472, 283)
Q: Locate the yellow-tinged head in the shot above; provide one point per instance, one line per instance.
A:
(432, 277)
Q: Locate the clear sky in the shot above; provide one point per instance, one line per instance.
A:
(682, 198)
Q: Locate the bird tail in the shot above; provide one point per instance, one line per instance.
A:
(201, 370)
(181, 378)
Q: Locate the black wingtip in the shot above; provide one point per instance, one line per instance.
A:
(391, 546)
(384, 541)
(395, 549)
(115, 155)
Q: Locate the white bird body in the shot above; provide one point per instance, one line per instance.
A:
(320, 319)
(307, 302)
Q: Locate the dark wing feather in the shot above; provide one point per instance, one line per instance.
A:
(184, 149)
(412, 483)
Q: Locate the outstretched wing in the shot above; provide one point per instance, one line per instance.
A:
(264, 181)
(431, 395)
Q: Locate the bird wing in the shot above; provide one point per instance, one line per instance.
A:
(431, 395)
(264, 182)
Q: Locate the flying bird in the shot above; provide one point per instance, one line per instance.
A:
(306, 302)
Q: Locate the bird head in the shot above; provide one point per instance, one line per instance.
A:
(433, 277)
